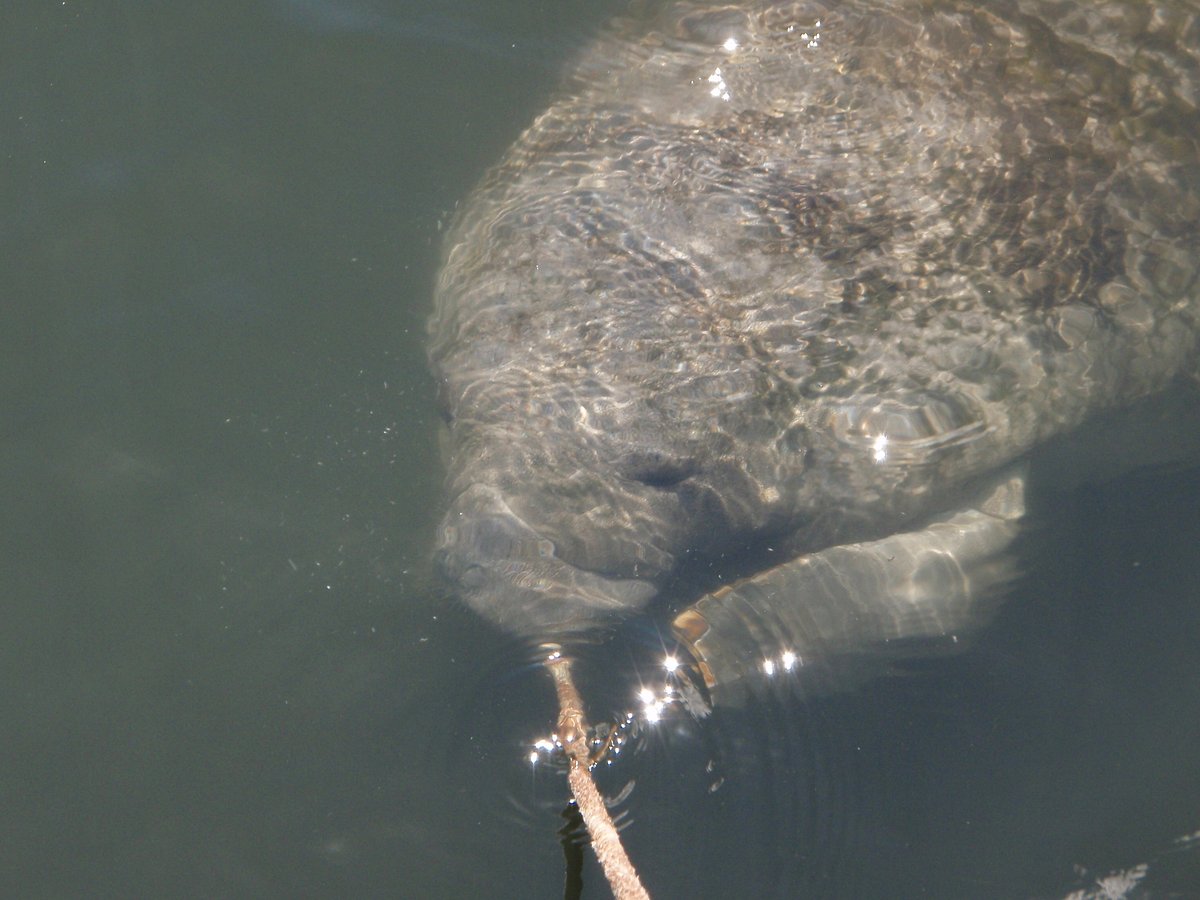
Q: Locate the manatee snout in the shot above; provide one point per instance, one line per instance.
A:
(509, 573)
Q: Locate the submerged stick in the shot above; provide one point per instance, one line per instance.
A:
(572, 734)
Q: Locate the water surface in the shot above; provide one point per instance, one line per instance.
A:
(228, 673)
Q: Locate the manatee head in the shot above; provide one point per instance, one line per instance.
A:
(675, 318)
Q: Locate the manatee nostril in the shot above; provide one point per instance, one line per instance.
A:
(474, 546)
(472, 577)
(459, 571)
(445, 563)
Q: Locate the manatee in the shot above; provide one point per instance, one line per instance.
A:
(776, 300)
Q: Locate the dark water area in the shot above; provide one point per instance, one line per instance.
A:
(227, 669)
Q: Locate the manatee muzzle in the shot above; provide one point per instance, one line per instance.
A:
(509, 573)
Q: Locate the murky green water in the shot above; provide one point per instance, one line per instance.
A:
(227, 673)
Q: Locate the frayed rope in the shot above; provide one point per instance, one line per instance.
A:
(572, 734)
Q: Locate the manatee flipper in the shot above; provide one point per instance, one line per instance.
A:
(925, 584)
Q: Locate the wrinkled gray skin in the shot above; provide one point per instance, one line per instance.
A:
(747, 241)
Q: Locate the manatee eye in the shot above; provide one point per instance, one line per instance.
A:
(656, 469)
